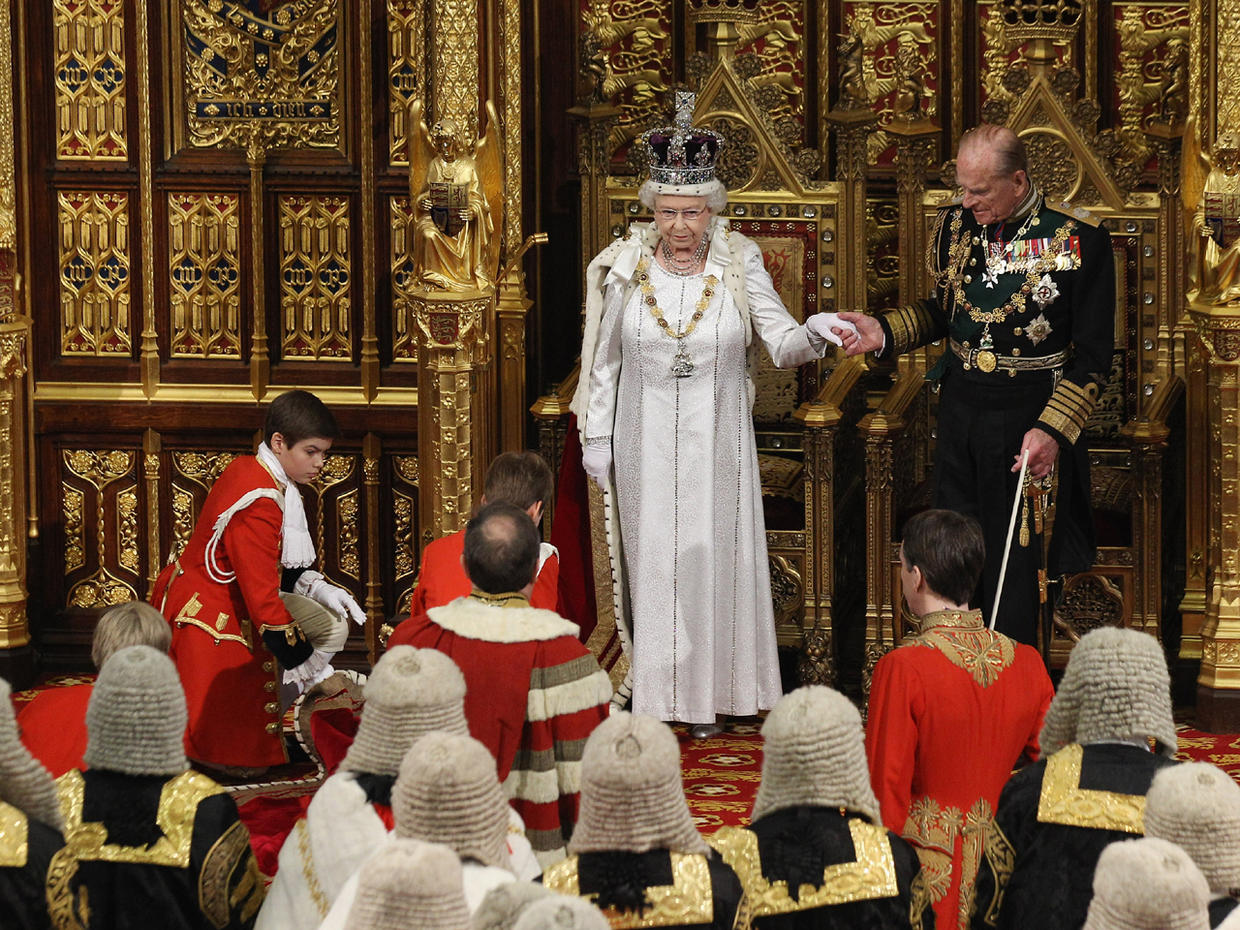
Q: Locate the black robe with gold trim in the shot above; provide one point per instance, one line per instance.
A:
(151, 851)
(1053, 300)
(824, 868)
(1054, 819)
(26, 850)
(652, 889)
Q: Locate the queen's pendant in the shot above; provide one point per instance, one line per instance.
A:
(681, 366)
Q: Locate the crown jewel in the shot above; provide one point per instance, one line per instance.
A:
(680, 154)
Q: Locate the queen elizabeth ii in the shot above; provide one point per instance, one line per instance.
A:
(674, 310)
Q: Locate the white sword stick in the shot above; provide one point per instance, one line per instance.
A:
(1007, 549)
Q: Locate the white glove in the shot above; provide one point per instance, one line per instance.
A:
(821, 324)
(314, 586)
(596, 460)
(315, 669)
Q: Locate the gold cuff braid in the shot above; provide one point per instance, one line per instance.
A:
(1069, 408)
(910, 325)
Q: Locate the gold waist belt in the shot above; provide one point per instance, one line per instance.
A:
(987, 361)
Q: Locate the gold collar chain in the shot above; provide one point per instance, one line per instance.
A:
(643, 279)
(961, 247)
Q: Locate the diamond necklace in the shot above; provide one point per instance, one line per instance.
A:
(683, 267)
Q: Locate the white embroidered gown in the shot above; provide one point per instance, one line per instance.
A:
(688, 491)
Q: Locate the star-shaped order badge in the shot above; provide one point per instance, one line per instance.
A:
(1045, 292)
(1039, 328)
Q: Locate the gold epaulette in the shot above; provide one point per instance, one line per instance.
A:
(1069, 408)
(1080, 214)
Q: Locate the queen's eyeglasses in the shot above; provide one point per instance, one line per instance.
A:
(688, 215)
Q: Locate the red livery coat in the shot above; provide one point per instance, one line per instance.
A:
(951, 712)
(231, 680)
(442, 578)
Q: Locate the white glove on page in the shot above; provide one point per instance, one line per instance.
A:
(596, 460)
(313, 585)
(820, 324)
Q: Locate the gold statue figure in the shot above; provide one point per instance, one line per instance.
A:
(459, 204)
(1213, 185)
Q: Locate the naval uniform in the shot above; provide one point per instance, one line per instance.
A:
(1027, 307)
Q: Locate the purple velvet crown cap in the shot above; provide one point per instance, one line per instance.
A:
(682, 154)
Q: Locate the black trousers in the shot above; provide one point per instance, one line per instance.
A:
(977, 444)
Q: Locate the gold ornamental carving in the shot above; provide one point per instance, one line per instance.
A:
(95, 277)
(101, 471)
(897, 50)
(776, 40)
(262, 74)
(454, 346)
(204, 275)
(454, 63)
(401, 223)
(8, 177)
(459, 205)
(406, 20)
(1152, 80)
(89, 68)
(632, 47)
(316, 292)
(348, 520)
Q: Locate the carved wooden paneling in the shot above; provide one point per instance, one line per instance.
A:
(100, 509)
(204, 275)
(261, 71)
(316, 276)
(89, 67)
(95, 278)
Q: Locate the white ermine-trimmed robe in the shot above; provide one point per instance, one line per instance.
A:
(687, 488)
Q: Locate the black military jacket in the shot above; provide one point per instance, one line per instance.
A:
(1027, 306)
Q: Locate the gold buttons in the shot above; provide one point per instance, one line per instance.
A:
(1018, 332)
(269, 686)
(1011, 372)
(977, 240)
(965, 343)
(968, 279)
(272, 728)
(272, 707)
(269, 666)
(1016, 351)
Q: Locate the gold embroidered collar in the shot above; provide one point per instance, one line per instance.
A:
(689, 900)
(960, 636)
(955, 619)
(178, 800)
(503, 599)
(14, 837)
(1064, 801)
(871, 875)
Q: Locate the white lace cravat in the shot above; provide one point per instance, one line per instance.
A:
(297, 550)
